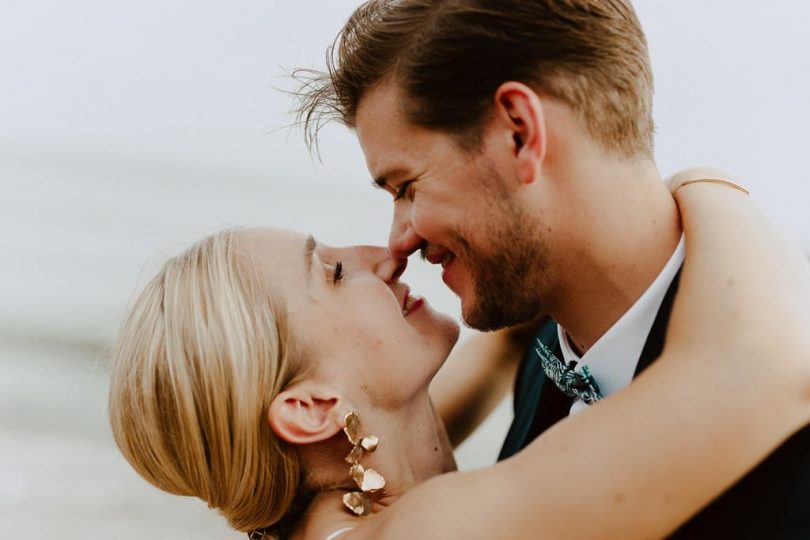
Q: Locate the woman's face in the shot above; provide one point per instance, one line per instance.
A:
(357, 322)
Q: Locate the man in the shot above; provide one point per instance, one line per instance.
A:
(516, 139)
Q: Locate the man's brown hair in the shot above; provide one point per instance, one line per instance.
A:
(450, 56)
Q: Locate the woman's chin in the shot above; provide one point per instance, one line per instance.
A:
(451, 332)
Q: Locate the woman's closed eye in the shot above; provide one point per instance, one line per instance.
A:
(337, 275)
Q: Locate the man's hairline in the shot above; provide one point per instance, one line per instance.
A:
(471, 143)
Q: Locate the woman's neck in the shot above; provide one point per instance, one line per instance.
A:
(413, 447)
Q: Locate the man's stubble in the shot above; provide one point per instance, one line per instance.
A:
(509, 268)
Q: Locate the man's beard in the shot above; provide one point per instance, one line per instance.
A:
(510, 279)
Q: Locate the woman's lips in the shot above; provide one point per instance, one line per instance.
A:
(412, 303)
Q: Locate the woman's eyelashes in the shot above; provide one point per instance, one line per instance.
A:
(337, 275)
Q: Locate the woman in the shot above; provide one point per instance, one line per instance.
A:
(280, 380)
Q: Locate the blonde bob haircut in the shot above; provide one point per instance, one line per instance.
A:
(202, 353)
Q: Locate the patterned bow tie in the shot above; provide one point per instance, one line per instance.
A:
(571, 382)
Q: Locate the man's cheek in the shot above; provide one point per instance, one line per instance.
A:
(429, 222)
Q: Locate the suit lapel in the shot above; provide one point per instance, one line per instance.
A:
(538, 404)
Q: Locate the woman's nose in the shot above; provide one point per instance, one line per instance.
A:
(377, 260)
(386, 265)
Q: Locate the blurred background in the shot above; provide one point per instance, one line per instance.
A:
(129, 129)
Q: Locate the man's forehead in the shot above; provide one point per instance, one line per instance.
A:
(383, 133)
(395, 148)
(380, 104)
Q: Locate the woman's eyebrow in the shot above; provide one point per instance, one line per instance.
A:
(309, 252)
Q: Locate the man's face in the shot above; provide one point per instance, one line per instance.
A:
(461, 209)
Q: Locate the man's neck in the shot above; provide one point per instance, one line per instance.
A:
(626, 228)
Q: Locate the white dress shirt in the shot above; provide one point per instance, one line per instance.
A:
(614, 357)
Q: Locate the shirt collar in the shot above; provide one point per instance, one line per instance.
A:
(613, 358)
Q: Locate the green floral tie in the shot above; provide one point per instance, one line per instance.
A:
(571, 382)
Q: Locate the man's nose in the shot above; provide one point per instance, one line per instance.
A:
(403, 240)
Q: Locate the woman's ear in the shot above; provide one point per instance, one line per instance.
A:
(305, 414)
(521, 109)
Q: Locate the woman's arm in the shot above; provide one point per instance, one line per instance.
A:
(647, 458)
(477, 376)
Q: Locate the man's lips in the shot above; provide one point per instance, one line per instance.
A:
(447, 266)
(438, 255)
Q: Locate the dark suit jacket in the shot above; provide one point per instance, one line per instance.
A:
(771, 502)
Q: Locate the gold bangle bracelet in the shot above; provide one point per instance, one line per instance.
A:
(724, 181)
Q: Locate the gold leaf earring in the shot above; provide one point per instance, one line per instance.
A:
(368, 480)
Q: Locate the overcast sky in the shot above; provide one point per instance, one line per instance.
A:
(100, 98)
(194, 79)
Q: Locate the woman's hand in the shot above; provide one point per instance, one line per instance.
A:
(677, 180)
(746, 294)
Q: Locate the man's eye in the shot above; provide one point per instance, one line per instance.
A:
(337, 275)
(403, 190)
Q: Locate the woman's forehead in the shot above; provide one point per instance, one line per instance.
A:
(271, 239)
(273, 257)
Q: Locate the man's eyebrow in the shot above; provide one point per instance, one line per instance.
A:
(381, 181)
(309, 251)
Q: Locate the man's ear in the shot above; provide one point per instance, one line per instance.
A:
(521, 109)
(305, 413)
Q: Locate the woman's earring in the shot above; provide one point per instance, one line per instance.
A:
(368, 480)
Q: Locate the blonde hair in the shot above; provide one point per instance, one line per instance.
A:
(201, 355)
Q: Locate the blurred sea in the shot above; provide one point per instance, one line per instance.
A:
(79, 235)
